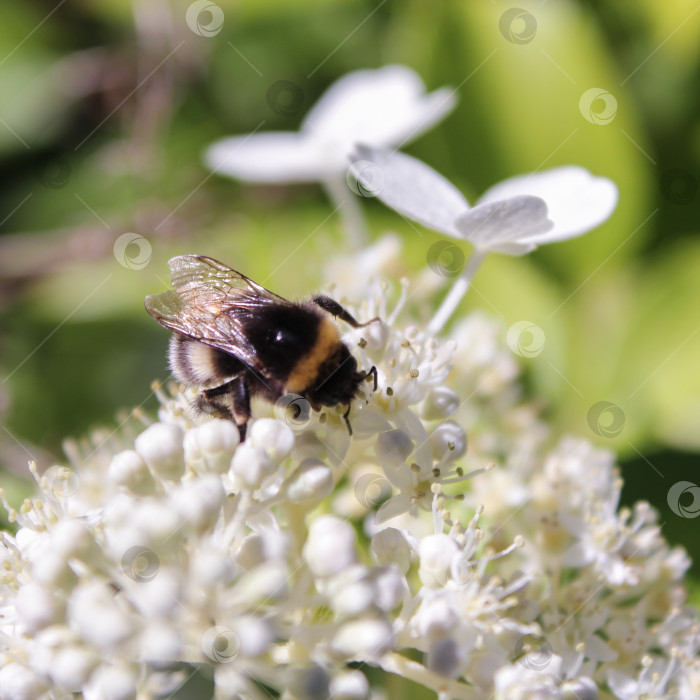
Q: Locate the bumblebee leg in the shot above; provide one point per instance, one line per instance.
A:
(213, 401)
(240, 395)
(214, 408)
(346, 418)
(337, 310)
(230, 401)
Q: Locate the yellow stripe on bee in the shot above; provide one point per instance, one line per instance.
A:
(305, 371)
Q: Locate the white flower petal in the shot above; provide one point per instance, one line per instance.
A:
(577, 200)
(275, 156)
(330, 546)
(578, 555)
(366, 638)
(599, 650)
(379, 107)
(410, 187)
(622, 685)
(422, 116)
(395, 506)
(349, 685)
(505, 225)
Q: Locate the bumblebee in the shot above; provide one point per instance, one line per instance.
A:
(233, 339)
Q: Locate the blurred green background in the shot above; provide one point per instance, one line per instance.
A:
(106, 107)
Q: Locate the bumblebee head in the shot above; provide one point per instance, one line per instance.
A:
(338, 380)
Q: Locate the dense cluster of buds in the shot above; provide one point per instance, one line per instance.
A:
(297, 559)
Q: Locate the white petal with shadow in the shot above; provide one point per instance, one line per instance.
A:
(577, 200)
(411, 188)
(506, 221)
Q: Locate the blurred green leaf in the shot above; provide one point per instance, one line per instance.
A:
(32, 105)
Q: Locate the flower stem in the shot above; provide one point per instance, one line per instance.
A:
(350, 211)
(416, 672)
(459, 289)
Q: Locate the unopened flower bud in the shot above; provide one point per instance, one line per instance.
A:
(390, 588)
(210, 446)
(72, 666)
(113, 682)
(440, 403)
(349, 685)
(445, 657)
(250, 465)
(260, 548)
(128, 469)
(369, 639)
(254, 635)
(276, 438)
(19, 682)
(448, 441)
(160, 445)
(307, 683)
(311, 480)
(199, 503)
(37, 608)
(330, 546)
(389, 546)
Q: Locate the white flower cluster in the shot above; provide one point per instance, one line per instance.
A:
(294, 561)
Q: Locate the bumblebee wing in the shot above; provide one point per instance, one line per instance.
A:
(194, 275)
(210, 303)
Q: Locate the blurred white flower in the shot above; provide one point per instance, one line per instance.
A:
(387, 106)
(513, 217)
(383, 107)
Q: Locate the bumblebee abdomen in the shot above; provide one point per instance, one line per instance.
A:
(198, 364)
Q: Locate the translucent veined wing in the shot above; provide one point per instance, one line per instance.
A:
(210, 303)
(194, 275)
